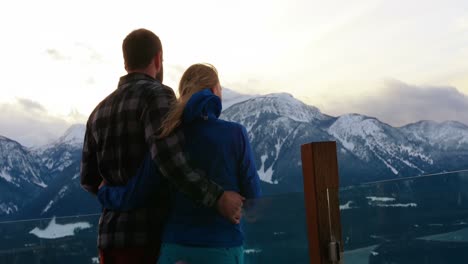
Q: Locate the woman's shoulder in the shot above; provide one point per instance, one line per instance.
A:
(231, 125)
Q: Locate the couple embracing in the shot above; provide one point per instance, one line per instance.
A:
(170, 175)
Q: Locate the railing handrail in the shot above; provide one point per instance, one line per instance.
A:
(48, 218)
(263, 197)
(407, 178)
(98, 213)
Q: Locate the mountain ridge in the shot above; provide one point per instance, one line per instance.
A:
(277, 124)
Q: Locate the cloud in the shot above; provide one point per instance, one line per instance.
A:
(172, 75)
(399, 103)
(56, 55)
(75, 52)
(30, 105)
(249, 86)
(92, 53)
(29, 123)
(462, 24)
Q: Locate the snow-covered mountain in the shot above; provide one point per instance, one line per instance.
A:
(277, 124)
(61, 153)
(35, 180)
(18, 165)
(274, 123)
(371, 140)
(446, 142)
(64, 196)
(368, 148)
(449, 135)
(20, 176)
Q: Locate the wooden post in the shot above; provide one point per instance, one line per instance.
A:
(320, 172)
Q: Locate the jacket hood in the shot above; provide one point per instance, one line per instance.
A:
(203, 105)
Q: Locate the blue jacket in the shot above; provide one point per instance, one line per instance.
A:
(221, 149)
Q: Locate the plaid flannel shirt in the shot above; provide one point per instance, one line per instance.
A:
(120, 130)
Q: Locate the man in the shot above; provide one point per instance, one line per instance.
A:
(119, 132)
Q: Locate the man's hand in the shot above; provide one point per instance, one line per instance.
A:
(230, 206)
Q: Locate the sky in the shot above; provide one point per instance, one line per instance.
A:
(400, 61)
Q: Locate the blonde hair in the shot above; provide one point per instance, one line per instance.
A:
(196, 78)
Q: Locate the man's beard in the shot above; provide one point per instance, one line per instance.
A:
(160, 74)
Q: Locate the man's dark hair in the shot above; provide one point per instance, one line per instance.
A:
(139, 48)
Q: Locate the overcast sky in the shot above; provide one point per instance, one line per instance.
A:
(60, 58)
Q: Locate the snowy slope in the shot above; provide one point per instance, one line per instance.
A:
(62, 160)
(369, 139)
(273, 122)
(18, 165)
(445, 135)
(21, 176)
(61, 153)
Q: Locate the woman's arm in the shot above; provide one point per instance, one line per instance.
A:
(137, 192)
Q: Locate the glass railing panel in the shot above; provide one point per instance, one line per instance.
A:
(409, 220)
(57, 240)
(275, 232)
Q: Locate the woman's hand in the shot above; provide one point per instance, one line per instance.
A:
(230, 206)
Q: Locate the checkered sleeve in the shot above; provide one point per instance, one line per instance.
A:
(89, 173)
(168, 153)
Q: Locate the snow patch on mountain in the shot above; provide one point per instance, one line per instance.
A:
(48, 206)
(406, 205)
(387, 163)
(55, 230)
(266, 174)
(59, 196)
(76, 176)
(347, 206)
(8, 208)
(6, 176)
(41, 184)
(65, 161)
(416, 153)
(249, 251)
(387, 202)
(380, 199)
(62, 191)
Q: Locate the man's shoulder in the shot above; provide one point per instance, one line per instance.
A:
(153, 89)
(145, 91)
(101, 105)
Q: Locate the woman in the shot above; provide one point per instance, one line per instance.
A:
(195, 234)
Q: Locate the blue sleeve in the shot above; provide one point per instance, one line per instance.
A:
(249, 180)
(137, 192)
